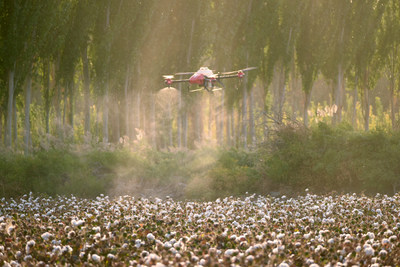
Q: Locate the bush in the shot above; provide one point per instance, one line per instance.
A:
(50, 172)
(321, 158)
(234, 174)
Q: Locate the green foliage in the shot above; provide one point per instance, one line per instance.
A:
(234, 174)
(51, 172)
(321, 158)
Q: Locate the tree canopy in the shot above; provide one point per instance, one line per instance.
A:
(95, 68)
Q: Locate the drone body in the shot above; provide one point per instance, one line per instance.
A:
(206, 78)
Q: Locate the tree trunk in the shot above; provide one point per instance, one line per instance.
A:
(71, 106)
(221, 119)
(366, 107)
(251, 119)
(228, 127)
(57, 103)
(307, 103)
(337, 96)
(105, 113)
(179, 117)
(281, 93)
(138, 103)
(355, 99)
(66, 89)
(264, 111)
(8, 132)
(117, 126)
(169, 124)
(153, 119)
(217, 125)
(238, 127)
(366, 101)
(209, 115)
(392, 92)
(199, 120)
(244, 114)
(15, 125)
(86, 89)
(185, 129)
(46, 85)
(1, 125)
(392, 107)
(28, 95)
(233, 141)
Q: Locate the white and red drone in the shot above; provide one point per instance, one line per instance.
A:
(205, 78)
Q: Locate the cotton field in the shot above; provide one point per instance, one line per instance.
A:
(309, 230)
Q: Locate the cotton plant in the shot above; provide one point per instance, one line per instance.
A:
(255, 230)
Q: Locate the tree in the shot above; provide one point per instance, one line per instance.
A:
(389, 51)
(310, 46)
(366, 18)
(338, 50)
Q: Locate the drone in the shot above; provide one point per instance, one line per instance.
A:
(206, 78)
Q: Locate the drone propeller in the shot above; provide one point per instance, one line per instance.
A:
(236, 71)
(185, 73)
(249, 68)
(197, 90)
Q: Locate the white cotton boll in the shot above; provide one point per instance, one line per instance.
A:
(96, 258)
(18, 254)
(280, 236)
(177, 245)
(383, 253)
(283, 264)
(10, 229)
(388, 233)
(250, 258)
(28, 258)
(77, 223)
(28, 246)
(173, 250)
(150, 237)
(46, 236)
(371, 235)
(202, 262)
(230, 252)
(66, 249)
(369, 251)
(194, 258)
(71, 234)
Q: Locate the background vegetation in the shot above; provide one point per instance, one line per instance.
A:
(322, 158)
(82, 98)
